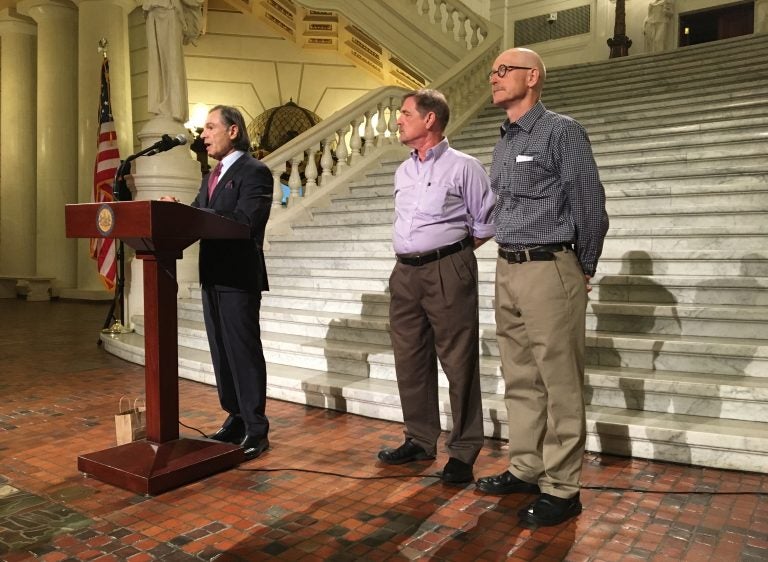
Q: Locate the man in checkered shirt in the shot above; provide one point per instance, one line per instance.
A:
(550, 224)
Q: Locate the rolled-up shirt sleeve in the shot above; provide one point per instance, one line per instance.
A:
(479, 198)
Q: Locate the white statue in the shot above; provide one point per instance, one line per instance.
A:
(656, 26)
(170, 25)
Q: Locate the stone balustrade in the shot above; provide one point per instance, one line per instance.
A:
(357, 132)
(455, 19)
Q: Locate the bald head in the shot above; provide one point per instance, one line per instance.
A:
(517, 79)
(524, 57)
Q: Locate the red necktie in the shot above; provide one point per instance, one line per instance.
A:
(213, 179)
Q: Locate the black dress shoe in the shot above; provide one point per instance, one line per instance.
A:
(550, 510)
(407, 452)
(505, 483)
(457, 472)
(231, 431)
(253, 446)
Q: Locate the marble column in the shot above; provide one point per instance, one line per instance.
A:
(56, 255)
(175, 173)
(99, 19)
(17, 144)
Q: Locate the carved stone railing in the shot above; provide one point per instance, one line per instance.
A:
(355, 137)
(331, 149)
(455, 19)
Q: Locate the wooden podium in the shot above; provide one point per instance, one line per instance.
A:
(158, 231)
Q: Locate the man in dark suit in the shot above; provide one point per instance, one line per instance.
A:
(233, 275)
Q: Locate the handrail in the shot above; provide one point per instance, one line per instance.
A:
(358, 133)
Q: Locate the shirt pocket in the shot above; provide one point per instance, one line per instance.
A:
(529, 179)
(432, 201)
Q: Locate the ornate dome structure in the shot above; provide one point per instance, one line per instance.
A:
(278, 125)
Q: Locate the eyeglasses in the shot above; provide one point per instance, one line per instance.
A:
(501, 72)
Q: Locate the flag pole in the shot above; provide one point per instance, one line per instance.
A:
(112, 325)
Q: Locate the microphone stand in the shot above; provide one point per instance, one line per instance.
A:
(120, 192)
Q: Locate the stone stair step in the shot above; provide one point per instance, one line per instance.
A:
(656, 199)
(342, 356)
(715, 396)
(740, 216)
(693, 440)
(727, 397)
(711, 113)
(287, 246)
(709, 263)
(672, 167)
(647, 146)
(661, 239)
(690, 209)
(714, 355)
(645, 113)
(316, 233)
(687, 320)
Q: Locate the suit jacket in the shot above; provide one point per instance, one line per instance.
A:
(244, 194)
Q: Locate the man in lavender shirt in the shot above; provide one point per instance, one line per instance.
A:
(443, 205)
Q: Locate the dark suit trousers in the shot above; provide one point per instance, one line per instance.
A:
(234, 336)
(433, 314)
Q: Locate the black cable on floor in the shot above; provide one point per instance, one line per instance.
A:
(437, 476)
(193, 429)
(585, 487)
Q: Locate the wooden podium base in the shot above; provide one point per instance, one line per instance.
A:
(151, 468)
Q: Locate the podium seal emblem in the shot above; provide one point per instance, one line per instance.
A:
(105, 220)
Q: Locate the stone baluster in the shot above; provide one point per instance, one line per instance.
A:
(326, 161)
(355, 142)
(462, 31)
(369, 135)
(310, 172)
(474, 40)
(431, 10)
(392, 119)
(294, 180)
(277, 190)
(450, 25)
(341, 151)
(422, 7)
(381, 125)
(482, 33)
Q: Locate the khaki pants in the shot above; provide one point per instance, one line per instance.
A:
(540, 328)
(433, 314)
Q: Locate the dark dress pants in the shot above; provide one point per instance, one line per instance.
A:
(434, 314)
(232, 323)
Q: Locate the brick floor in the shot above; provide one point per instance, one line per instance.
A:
(318, 494)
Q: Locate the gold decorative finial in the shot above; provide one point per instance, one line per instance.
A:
(103, 46)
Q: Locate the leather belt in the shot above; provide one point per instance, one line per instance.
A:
(434, 255)
(538, 253)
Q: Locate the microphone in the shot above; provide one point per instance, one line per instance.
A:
(120, 192)
(166, 142)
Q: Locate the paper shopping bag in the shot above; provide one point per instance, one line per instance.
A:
(130, 421)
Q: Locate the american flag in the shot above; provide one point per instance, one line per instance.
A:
(107, 162)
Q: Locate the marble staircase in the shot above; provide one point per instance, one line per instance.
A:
(678, 318)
